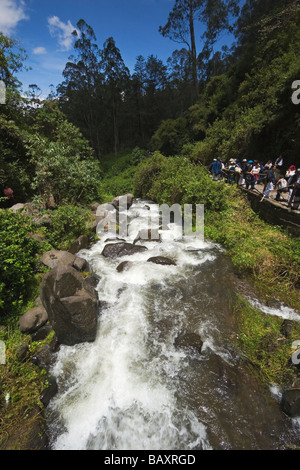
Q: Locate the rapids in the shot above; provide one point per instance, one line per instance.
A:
(132, 389)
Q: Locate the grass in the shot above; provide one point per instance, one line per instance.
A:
(267, 255)
(263, 343)
(22, 382)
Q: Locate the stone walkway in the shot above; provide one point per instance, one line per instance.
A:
(283, 198)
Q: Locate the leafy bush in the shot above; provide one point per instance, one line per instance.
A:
(68, 223)
(17, 260)
(176, 180)
(60, 171)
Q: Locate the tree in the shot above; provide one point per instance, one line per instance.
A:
(116, 77)
(11, 61)
(213, 16)
(180, 28)
(81, 91)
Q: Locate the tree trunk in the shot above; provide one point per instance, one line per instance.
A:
(193, 50)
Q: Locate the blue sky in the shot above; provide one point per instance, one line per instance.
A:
(44, 27)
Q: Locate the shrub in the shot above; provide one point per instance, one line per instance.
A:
(68, 223)
(177, 180)
(17, 260)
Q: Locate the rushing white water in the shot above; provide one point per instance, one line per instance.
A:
(132, 389)
(119, 393)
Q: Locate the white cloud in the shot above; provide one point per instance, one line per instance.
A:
(39, 50)
(63, 31)
(11, 12)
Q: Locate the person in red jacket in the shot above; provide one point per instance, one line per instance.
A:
(9, 194)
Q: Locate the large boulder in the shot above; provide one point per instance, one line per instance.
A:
(116, 250)
(72, 305)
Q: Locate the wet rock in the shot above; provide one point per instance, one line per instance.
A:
(114, 239)
(290, 402)
(81, 243)
(117, 250)
(33, 320)
(162, 260)
(123, 202)
(49, 392)
(189, 342)
(42, 333)
(125, 266)
(44, 358)
(72, 305)
(80, 264)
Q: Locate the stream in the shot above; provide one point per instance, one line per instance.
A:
(134, 388)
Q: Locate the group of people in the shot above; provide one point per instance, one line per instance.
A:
(248, 173)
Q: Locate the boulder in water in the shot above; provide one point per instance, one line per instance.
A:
(116, 250)
(124, 266)
(162, 260)
(189, 342)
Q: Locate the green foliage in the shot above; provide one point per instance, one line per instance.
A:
(62, 168)
(176, 180)
(67, 224)
(17, 260)
(261, 340)
(170, 136)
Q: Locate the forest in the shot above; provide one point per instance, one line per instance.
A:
(105, 132)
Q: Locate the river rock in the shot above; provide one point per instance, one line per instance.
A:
(81, 243)
(44, 358)
(189, 342)
(161, 260)
(290, 402)
(50, 391)
(124, 201)
(72, 305)
(116, 250)
(124, 266)
(33, 320)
